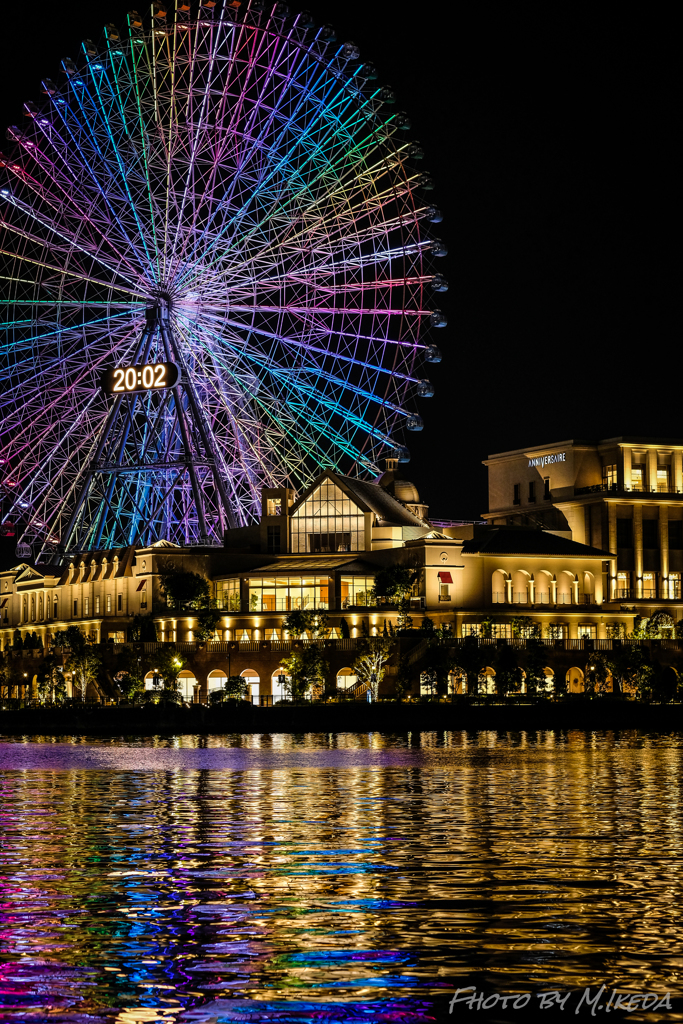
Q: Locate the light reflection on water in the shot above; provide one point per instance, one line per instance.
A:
(333, 877)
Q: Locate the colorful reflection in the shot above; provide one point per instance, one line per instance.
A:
(349, 877)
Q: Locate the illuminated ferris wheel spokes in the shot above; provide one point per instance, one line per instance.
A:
(244, 172)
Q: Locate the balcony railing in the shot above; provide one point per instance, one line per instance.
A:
(523, 597)
(634, 489)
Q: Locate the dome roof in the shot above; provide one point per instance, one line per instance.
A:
(401, 489)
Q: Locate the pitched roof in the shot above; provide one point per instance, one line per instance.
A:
(501, 540)
(380, 502)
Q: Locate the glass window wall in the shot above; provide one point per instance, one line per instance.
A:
(356, 591)
(289, 593)
(328, 521)
(228, 595)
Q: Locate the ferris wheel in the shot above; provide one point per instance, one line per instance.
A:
(217, 276)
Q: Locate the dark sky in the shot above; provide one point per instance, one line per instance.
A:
(550, 132)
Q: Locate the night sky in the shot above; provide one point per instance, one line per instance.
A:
(550, 133)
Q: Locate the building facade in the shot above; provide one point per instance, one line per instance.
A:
(623, 495)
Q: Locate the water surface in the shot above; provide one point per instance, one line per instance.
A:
(347, 877)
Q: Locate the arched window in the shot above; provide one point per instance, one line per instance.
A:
(33, 607)
(40, 607)
(574, 679)
(217, 679)
(346, 678)
(253, 680)
(278, 684)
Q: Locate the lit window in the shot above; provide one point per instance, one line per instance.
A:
(357, 591)
(637, 477)
(663, 480)
(86, 606)
(587, 631)
(274, 506)
(649, 584)
(609, 477)
(243, 633)
(97, 606)
(328, 521)
(674, 586)
(471, 629)
(623, 585)
(273, 634)
(288, 593)
(228, 595)
(108, 602)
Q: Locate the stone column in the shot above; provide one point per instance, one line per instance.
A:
(612, 543)
(677, 482)
(651, 484)
(664, 549)
(638, 547)
(626, 454)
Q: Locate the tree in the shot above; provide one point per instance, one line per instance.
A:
(394, 583)
(441, 656)
(525, 627)
(344, 629)
(468, 658)
(51, 682)
(508, 672)
(403, 682)
(629, 665)
(536, 679)
(184, 590)
(235, 688)
(169, 664)
(142, 629)
(207, 620)
(306, 669)
(17, 642)
(311, 622)
(597, 674)
(82, 662)
(373, 654)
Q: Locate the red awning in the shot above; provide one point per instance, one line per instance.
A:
(445, 577)
(142, 585)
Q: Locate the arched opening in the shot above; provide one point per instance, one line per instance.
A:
(253, 681)
(564, 587)
(588, 588)
(499, 588)
(278, 684)
(487, 680)
(149, 681)
(346, 678)
(216, 679)
(520, 587)
(574, 679)
(542, 587)
(456, 681)
(187, 685)
(428, 683)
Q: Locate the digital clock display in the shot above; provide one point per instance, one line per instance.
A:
(150, 377)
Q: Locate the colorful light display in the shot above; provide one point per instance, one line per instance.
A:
(243, 168)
